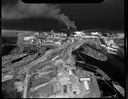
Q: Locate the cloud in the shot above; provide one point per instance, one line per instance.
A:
(22, 10)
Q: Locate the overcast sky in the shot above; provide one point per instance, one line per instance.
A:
(108, 15)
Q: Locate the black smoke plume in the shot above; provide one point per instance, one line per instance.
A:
(22, 10)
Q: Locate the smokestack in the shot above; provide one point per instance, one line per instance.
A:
(22, 10)
(68, 27)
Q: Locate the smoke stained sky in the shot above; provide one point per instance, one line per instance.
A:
(108, 15)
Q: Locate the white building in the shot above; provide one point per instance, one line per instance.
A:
(86, 82)
(28, 37)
